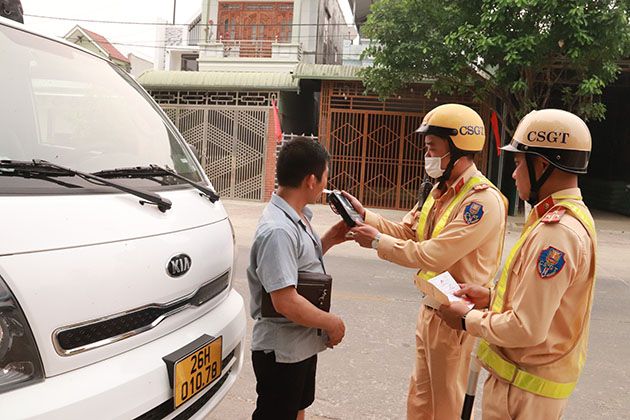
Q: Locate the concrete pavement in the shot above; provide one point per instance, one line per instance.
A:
(366, 376)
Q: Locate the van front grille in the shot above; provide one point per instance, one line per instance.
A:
(96, 333)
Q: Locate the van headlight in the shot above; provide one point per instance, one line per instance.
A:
(20, 364)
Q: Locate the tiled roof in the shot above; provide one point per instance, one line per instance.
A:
(106, 45)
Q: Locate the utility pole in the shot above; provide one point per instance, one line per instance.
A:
(174, 6)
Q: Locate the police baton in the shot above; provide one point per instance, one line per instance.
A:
(471, 388)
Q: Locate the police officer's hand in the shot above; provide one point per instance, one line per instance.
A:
(452, 314)
(364, 234)
(335, 331)
(355, 203)
(474, 293)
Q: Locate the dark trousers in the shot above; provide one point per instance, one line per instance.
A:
(283, 388)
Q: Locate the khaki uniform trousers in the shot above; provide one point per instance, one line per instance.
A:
(502, 401)
(438, 383)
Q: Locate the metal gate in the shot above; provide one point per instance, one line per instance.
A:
(230, 140)
(375, 153)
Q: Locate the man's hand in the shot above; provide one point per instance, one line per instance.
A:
(335, 235)
(335, 331)
(476, 294)
(364, 234)
(452, 314)
(355, 203)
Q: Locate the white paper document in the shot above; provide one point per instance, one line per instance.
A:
(446, 286)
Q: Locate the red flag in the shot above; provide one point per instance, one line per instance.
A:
(276, 122)
(495, 128)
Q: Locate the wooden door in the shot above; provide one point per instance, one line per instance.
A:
(253, 26)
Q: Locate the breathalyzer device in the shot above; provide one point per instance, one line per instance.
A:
(343, 207)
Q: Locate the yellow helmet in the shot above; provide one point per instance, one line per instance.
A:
(558, 136)
(457, 122)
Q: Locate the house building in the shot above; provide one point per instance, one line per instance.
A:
(138, 64)
(270, 35)
(179, 45)
(267, 36)
(98, 44)
(252, 53)
(247, 60)
(223, 71)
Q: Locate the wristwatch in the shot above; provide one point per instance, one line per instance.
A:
(375, 240)
(463, 318)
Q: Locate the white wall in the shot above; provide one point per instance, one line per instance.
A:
(308, 34)
(168, 35)
(139, 65)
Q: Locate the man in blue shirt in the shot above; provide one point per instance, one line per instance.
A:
(284, 350)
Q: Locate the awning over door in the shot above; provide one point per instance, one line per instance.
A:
(217, 80)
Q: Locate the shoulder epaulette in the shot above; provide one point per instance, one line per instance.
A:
(554, 215)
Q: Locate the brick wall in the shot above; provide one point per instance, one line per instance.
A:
(270, 159)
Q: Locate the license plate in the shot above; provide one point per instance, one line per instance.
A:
(194, 367)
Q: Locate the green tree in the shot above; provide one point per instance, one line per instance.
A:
(528, 53)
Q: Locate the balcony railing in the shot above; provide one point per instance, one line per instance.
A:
(257, 49)
(247, 48)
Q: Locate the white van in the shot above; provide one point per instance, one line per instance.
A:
(116, 256)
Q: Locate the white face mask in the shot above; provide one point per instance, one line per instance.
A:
(433, 166)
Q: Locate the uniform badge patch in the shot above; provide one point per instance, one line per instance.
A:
(550, 262)
(473, 213)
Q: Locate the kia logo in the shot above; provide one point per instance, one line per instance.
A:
(178, 265)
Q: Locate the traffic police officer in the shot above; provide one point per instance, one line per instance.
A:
(460, 229)
(535, 333)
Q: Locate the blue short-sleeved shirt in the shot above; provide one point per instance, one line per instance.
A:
(283, 245)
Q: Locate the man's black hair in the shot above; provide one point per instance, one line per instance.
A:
(12, 9)
(299, 158)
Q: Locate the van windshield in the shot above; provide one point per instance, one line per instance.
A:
(70, 108)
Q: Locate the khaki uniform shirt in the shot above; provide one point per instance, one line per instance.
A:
(547, 305)
(471, 252)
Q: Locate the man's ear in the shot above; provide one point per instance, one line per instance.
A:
(309, 181)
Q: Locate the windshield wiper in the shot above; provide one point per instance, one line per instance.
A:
(44, 168)
(152, 171)
(144, 172)
(43, 173)
(28, 169)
